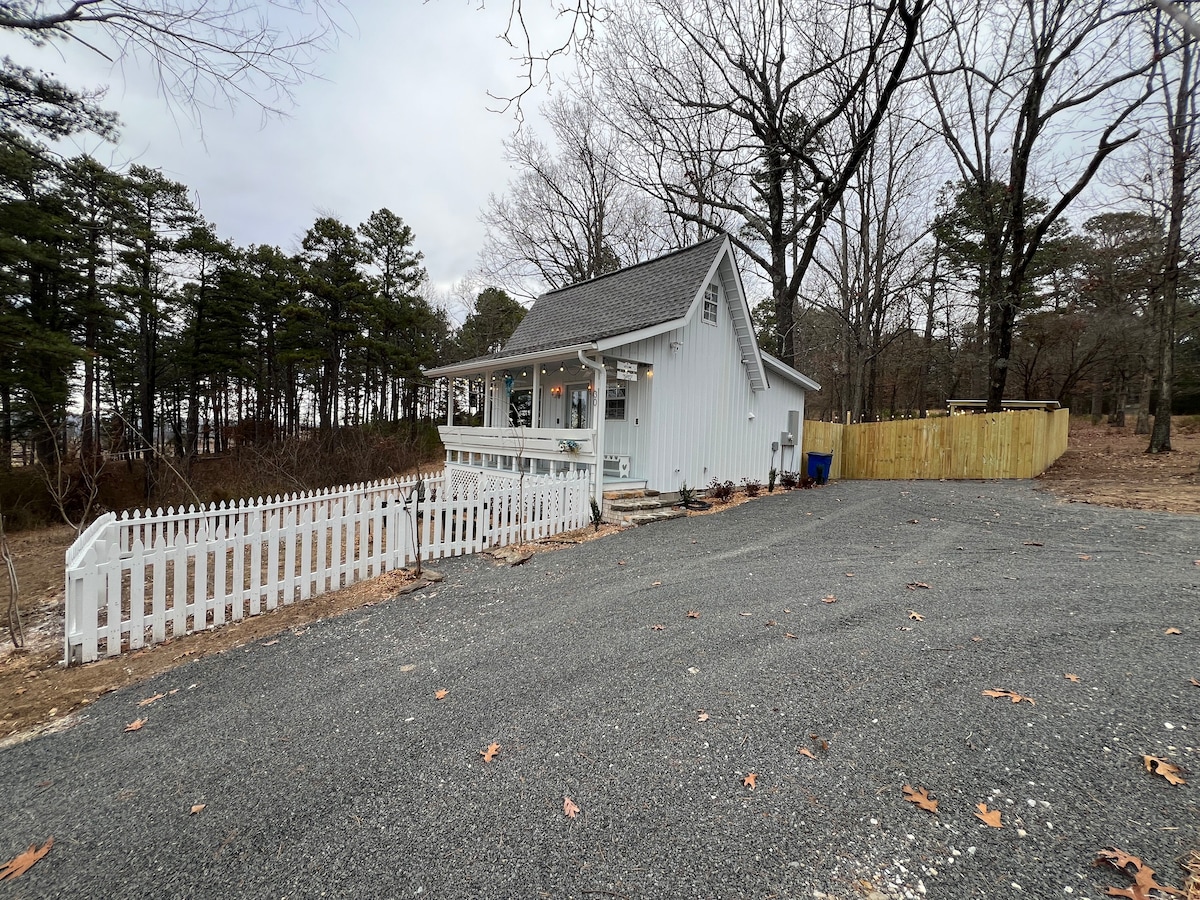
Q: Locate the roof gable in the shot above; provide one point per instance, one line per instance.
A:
(641, 296)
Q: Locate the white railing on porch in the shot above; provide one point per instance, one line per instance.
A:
(145, 577)
(551, 450)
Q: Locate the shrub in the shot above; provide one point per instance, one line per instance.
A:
(751, 487)
(686, 495)
(597, 514)
(721, 491)
(771, 477)
(789, 480)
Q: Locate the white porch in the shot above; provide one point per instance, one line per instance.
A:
(542, 415)
(535, 451)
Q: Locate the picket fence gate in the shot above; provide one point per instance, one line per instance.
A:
(142, 578)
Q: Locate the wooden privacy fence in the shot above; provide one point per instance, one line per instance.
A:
(987, 445)
(145, 577)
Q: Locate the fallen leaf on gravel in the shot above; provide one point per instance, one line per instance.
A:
(22, 862)
(135, 725)
(569, 807)
(913, 614)
(1084, 556)
(20, 691)
(490, 753)
(150, 700)
(1034, 544)
(1172, 631)
(271, 643)
(829, 598)
(750, 780)
(976, 639)
(920, 796)
(745, 614)
(1010, 695)
(703, 716)
(440, 694)
(989, 817)
(408, 667)
(788, 634)
(620, 562)
(849, 574)
(787, 610)
(1072, 677)
(1156, 765)
(913, 585)
(656, 627)
(770, 623)
(692, 614)
(804, 751)
(903, 628)
(195, 809)
(913, 521)
(656, 584)
(1195, 683)
(1145, 879)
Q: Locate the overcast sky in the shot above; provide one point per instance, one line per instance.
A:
(400, 120)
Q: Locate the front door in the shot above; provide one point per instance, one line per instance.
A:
(578, 406)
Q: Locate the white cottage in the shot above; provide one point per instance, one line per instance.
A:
(648, 377)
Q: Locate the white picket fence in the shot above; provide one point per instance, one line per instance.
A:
(146, 577)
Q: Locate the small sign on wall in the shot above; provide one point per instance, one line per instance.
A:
(627, 371)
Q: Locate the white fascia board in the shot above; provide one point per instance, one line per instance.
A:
(789, 373)
(505, 362)
(642, 334)
(743, 311)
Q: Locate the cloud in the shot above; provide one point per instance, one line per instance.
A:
(399, 119)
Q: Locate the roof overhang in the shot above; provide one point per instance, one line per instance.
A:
(472, 366)
(782, 368)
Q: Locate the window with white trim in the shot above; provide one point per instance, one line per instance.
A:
(614, 402)
(710, 304)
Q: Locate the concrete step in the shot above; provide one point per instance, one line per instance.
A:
(635, 494)
(632, 505)
(657, 515)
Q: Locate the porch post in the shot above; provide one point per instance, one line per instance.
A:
(535, 417)
(449, 412)
(598, 402)
(487, 399)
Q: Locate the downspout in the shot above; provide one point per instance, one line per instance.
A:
(601, 383)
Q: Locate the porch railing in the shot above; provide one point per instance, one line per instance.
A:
(520, 449)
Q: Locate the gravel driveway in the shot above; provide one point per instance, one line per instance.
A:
(328, 769)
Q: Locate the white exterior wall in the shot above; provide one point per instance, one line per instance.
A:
(691, 421)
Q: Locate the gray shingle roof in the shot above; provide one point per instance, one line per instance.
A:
(640, 296)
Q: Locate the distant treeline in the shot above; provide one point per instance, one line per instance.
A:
(118, 299)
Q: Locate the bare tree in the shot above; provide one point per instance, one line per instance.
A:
(1031, 99)
(14, 591)
(1177, 81)
(735, 115)
(203, 52)
(869, 257)
(567, 217)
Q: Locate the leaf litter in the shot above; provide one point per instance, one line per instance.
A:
(921, 797)
(23, 862)
(1009, 695)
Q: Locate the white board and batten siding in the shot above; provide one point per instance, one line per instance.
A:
(697, 417)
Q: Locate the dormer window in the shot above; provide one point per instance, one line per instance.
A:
(710, 304)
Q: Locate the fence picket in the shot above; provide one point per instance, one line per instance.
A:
(144, 573)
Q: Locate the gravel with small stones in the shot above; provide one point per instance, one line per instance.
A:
(328, 768)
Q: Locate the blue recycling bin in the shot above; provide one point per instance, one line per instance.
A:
(818, 466)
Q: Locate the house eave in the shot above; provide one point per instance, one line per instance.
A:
(472, 366)
(782, 368)
(642, 334)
